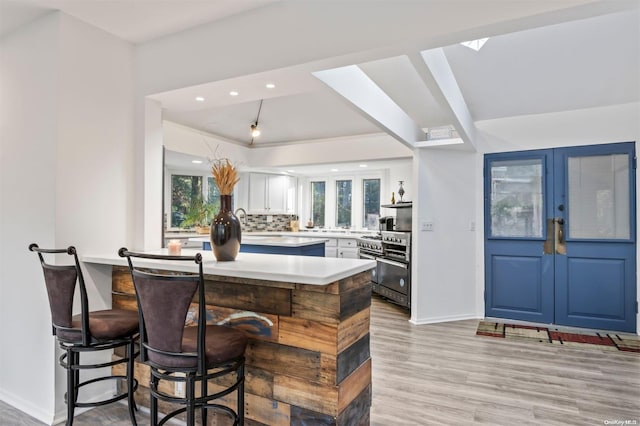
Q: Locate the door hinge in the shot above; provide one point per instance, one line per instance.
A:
(635, 163)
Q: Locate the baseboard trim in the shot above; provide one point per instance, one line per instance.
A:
(448, 318)
(61, 415)
(27, 407)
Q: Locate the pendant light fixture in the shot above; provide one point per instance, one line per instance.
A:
(255, 131)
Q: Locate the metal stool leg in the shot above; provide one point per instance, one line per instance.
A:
(240, 391)
(131, 350)
(153, 401)
(191, 394)
(203, 392)
(71, 386)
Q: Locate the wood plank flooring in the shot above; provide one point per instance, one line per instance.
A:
(442, 374)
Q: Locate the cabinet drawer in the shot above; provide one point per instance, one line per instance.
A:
(347, 242)
(191, 244)
(331, 242)
(348, 253)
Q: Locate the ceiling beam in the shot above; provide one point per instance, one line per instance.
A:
(434, 69)
(355, 86)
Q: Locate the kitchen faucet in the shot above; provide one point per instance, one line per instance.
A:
(240, 209)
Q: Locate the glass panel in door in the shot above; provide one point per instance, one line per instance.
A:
(599, 197)
(516, 206)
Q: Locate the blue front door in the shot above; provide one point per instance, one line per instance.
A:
(560, 236)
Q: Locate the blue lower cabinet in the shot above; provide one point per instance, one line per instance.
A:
(310, 250)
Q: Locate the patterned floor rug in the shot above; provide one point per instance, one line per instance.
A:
(556, 336)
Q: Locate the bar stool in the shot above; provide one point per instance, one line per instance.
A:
(198, 353)
(87, 332)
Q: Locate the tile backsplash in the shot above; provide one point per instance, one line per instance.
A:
(258, 222)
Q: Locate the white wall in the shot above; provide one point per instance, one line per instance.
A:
(444, 260)
(336, 150)
(191, 141)
(152, 166)
(67, 168)
(616, 123)
(28, 137)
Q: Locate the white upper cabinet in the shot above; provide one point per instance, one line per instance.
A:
(258, 193)
(272, 194)
(291, 194)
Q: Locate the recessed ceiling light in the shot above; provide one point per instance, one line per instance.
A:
(291, 171)
(196, 161)
(334, 170)
(199, 99)
(234, 93)
(363, 165)
(270, 85)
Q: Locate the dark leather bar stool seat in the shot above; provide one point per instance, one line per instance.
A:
(87, 332)
(198, 353)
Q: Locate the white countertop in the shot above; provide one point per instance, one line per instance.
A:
(271, 267)
(316, 233)
(271, 240)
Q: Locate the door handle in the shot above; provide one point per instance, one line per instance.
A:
(561, 244)
(555, 242)
(391, 262)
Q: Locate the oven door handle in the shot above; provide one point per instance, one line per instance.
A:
(367, 256)
(391, 262)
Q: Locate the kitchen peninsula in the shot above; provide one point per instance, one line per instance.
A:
(307, 319)
(270, 244)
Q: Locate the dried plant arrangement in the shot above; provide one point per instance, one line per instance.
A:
(225, 175)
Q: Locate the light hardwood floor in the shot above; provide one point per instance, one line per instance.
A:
(442, 374)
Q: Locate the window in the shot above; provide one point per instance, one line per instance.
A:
(185, 190)
(343, 203)
(371, 203)
(213, 194)
(318, 193)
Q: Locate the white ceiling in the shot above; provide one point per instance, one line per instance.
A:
(134, 20)
(587, 59)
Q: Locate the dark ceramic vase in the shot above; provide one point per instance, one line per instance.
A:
(226, 232)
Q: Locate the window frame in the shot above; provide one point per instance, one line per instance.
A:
(351, 209)
(357, 207)
(168, 185)
(363, 215)
(311, 182)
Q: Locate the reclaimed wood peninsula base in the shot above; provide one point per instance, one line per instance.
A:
(308, 359)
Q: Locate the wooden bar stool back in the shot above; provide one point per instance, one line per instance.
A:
(189, 355)
(87, 332)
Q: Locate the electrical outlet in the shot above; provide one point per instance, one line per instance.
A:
(269, 219)
(472, 225)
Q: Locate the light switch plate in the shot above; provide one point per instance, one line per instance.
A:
(426, 226)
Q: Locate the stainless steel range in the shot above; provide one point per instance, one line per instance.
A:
(370, 247)
(392, 276)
